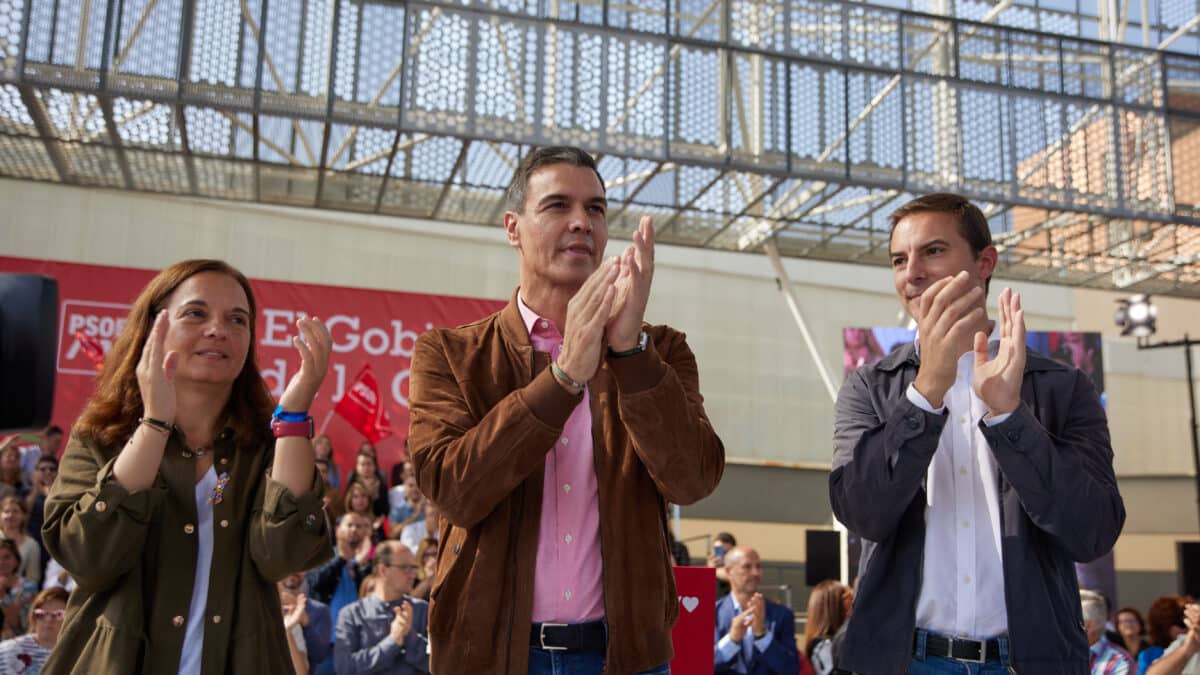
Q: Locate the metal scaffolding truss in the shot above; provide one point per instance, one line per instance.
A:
(734, 122)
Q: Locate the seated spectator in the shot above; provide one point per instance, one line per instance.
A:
(16, 592)
(401, 472)
(13, 523)
(316, 625)
(385, 631)
(44, 473)
(829, 606)
(49, 444)
(1132, 631)
(359, 501)
(13, 482)
(331, 497)
(323, 449)
(753, 634)
(427, 559)
(292, 604)
(1107, 658)
(336, 582)
(417, 531)
(1182, 657)
(26, 654)
(366, 473)
(722, 543)
(1164, 623)
(410, 506)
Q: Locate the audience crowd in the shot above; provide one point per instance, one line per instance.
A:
(366, 609)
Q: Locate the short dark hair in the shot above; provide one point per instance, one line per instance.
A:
(972, 224)
(727, 538)
(514, 195)
(53, 429)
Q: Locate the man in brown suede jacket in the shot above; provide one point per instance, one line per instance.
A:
(549, 434)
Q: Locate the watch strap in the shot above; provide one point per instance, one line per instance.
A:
(283, 428)
(643, 342)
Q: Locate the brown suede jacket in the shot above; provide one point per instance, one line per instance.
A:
(485, 409)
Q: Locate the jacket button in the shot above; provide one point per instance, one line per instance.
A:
(310, 519)
(1014, 436)
(189, 528)
(178, 621)
(216, 618)
(913, 422)
(187, 454)
(101, 506)
(457, 548)
(224, 523)
(224, 460)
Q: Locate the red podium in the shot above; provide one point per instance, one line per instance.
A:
(692, 635)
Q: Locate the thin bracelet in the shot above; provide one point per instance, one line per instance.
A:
(558, 372)
(157, 425)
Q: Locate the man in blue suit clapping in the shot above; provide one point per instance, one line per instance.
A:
(753, 635)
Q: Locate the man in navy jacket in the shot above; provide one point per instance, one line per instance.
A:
(753, 635)
(975, 472)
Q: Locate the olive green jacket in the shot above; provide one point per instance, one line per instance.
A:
(133, 556)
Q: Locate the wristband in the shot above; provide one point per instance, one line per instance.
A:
(157, 425)
(558, 372)
(643, 341)
(279, 414)
(284, 428)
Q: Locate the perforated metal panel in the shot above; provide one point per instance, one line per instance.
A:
(731, 122)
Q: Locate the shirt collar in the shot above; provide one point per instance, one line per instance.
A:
(532, 318)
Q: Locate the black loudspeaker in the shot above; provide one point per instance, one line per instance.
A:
(823, 559)
(28, 346)
(1188, 557)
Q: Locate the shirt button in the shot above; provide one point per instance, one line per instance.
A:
(216, 618)
(178, 621)
(563, 440)
(962, 419)
(567, 488)
(962, 470)
(101, 506)
(544, 324)
(567, 595)
(966, 523)
(567, 538)
(189, 528)
(966, 580)
(224, 523)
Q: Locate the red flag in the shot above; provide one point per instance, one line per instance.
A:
(91, 348)
(363, 408)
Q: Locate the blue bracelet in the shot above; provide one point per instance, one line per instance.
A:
(279, 414)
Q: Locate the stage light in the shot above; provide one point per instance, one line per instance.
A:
(1136, 316)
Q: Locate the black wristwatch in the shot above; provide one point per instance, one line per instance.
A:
(643, 340)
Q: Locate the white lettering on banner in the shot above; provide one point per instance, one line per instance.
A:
(277, 378)
(279, 374)
(347, 333)
(102, 321)
(276, 320)
(396, 382)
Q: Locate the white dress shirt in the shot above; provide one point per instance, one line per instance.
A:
(962, 587)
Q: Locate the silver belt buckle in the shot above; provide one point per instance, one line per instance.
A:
(982, 650)
(542, 637)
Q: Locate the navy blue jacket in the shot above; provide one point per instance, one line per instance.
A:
(780, 657)
(1058, 504)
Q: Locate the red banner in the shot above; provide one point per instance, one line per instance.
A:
(692, 634)
(371, 329)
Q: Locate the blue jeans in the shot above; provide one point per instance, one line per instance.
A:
(923, 664)
(544, 662)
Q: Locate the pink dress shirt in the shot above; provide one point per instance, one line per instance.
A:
(568, 582)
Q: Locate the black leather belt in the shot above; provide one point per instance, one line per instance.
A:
(960, 649)
(578, 637)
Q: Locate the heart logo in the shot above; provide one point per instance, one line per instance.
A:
(690, 603)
